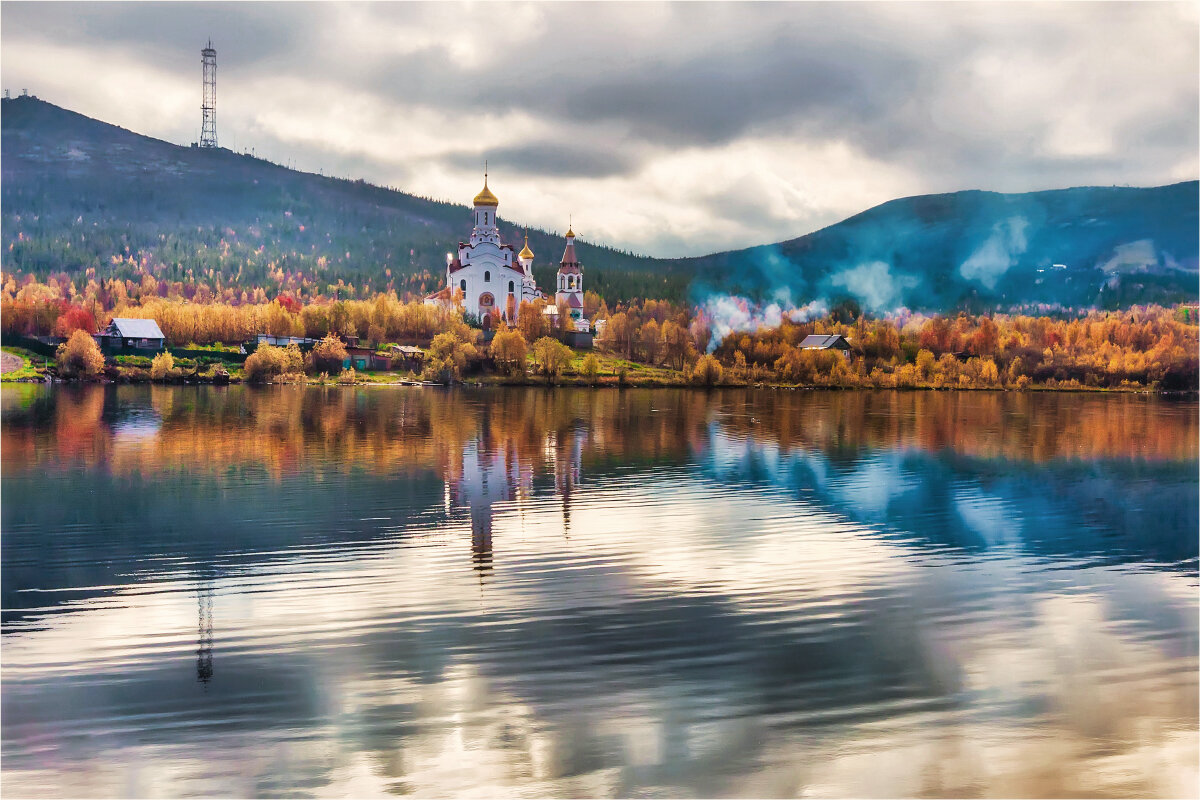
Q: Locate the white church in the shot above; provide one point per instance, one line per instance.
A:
(488, 277)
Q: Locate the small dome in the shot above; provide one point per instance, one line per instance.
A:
(486, 198)
(525, 251)
(570, 233)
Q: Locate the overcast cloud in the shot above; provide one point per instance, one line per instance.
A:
(667, 129)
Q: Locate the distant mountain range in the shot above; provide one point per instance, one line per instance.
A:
(1087, 246)
(79, 194)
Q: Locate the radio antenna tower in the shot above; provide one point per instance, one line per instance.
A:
(208, 107)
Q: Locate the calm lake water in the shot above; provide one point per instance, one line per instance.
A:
(405, 590)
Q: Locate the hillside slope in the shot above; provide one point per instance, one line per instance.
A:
(81, 197)
(1087, 246)
(77, 192)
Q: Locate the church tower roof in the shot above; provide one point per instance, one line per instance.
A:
(525, 251)
(569, 261)
(485, 197)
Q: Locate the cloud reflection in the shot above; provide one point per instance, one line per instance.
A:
(732, 612)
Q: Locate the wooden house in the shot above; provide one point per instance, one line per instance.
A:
(125, 334)
(823, 341)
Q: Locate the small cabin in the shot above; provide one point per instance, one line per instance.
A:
(406, 356)
(128, 334)
(822, 341)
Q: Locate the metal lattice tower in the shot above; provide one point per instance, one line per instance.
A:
(208, 107)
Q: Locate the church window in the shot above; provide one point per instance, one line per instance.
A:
(487, 276)
(463, 285)
(512, 287)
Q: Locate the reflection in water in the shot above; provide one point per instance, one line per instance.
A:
(204, 632)
(749, 593)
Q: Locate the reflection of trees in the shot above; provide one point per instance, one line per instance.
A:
(386, 431)
(1016, 426)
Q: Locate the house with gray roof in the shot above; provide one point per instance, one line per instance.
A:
(127, 333)
(823, 341)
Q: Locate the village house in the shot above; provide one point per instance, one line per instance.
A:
(823, 341)
(128, 334)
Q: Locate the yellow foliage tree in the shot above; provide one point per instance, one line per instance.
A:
(79, 356)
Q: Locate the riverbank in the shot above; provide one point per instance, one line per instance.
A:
(31, 375)
(606, 371)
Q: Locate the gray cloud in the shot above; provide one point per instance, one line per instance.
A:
(912, 97)
(550, 158)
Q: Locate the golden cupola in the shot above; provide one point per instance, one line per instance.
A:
(486, 198)
(525, 253)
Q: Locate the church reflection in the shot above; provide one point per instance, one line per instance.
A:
(495, 474)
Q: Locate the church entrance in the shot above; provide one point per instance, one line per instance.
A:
(487, 303)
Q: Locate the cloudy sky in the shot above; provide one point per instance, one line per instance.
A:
(667, 129)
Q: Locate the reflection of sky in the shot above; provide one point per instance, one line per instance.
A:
(756, 623)
(136, 427)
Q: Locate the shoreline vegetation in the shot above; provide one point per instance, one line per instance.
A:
(647, 343)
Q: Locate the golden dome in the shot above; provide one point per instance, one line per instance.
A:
(486, 198)
(570, 233)
(525, 251)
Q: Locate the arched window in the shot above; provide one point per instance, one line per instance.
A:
(512, 287)
(487, 276)
(463, 285)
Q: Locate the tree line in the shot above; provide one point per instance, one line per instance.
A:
(1144, 346)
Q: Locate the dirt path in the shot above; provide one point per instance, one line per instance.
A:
(10, 363)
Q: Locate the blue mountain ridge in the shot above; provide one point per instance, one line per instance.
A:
(1087, 246)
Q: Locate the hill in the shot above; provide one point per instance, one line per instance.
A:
(1088, 246)
(79, 194)
(83, 198)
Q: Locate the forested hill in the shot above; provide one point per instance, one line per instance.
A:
(88, 199)
(1106, 247)
(80, 194)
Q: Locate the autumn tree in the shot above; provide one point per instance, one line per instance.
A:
(74, 319)
(508, 351)
(708, 371)
(648, 341)
(676, 344)
(531, 321)
(447, 357)
(329, 354)
(618, 334)
(552, 356)
(590, 368)
(79, 356)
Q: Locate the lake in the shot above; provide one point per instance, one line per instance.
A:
(304, 591)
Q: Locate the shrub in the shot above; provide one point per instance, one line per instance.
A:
(79, 356)
(162, 366)
(590, 367)
(708, 371)
(264, 363)
(328, 354)
(347, 376)
(552, 356)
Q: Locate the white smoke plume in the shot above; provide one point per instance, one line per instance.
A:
(875, 285)
(998, 252)
(727, 314)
